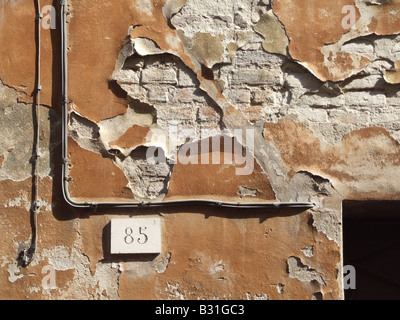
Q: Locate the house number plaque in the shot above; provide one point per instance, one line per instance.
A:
(135, 235)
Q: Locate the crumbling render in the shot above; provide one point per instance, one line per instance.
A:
(302, 272)
(202, 62)
(322, 53)
(215, 73)
(165, 83)
(324, 114)
(16, 150)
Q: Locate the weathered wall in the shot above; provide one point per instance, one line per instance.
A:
(322, 100)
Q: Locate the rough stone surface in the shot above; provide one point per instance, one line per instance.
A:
(163, 77)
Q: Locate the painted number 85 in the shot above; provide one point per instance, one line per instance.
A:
(129, 236)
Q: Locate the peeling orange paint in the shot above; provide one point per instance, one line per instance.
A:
(18, 22)
(311, 26)
(353, 164)
(220, 181)
(133, 137)
(84, 164)
(233, 257)
(207, 252)
(386, 18)
(319, 23)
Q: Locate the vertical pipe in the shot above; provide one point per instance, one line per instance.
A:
(36, 151)
(27, 255)
(36, 205)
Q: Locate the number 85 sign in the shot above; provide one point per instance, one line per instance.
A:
(135, 235)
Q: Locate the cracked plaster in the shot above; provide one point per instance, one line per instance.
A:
(323, 133)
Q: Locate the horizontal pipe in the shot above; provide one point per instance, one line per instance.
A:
(147, 204)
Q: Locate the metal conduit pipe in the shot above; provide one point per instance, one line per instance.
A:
(144, 204)
(36, 151)
(26, 255)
